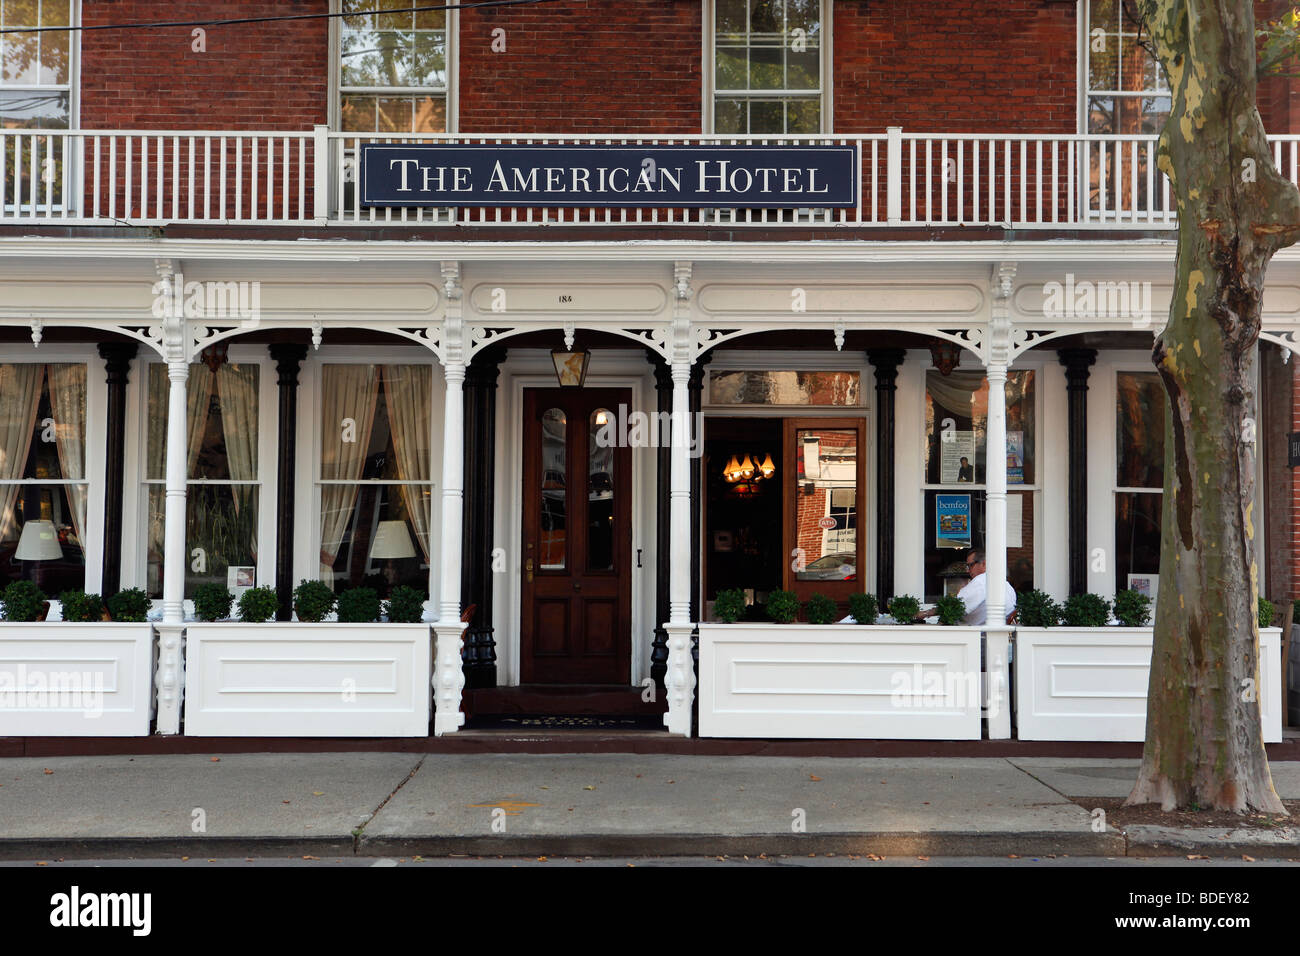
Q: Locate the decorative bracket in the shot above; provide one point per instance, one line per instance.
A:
(999, 349)
(37, 330)
(451, 347)
(839, 335)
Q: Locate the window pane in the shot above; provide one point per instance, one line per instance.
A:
(803, 116)
(554, 509)
(1103, 62)
(956, 422)
(826, 515)
(394, 114)
(378, 536)
(358, 114)
(765, 68)
(766, 116)
(1140, 430)
(732, 17)
(220, 524)
(42, 421)
(600, 496)
(766, 16)
(731, 68)
(1104, 14)
(1137, 535)
(729, 116)
(21, 59)
(803, 70)
(428, 66)
(765, 53)
(946, 548)
(784, 388)
(221, 424)
(41, 536)
(430, 115)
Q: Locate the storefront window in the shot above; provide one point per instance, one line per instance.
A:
(825, 503)
(43, 490)
(956, 437)
(223, 494)
(781, 387)
(375, 476)
(1139, 479)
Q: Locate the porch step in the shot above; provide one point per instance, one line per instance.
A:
(561, 700)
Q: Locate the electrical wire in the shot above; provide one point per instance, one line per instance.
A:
(162, 24)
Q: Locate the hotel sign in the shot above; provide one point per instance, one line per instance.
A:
(744, 177)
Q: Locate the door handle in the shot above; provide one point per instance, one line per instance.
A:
(528, 569)
(638, 557)
(577, 586)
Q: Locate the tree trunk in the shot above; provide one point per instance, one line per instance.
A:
(1204, 741)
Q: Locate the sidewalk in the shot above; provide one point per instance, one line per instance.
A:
(393, 804)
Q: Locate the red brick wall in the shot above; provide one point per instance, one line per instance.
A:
(595, 66)
(253, 76)
(962, 66)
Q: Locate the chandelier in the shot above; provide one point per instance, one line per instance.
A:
(748, 471)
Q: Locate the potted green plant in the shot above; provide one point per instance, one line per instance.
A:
(405, 605)
(212, 601)
(130, 605)
(863, 607)
(783, 606)
(821, 609)
(1132, 608)
(80, 607)
(1037, 609)
(358, 606)
(258, 605)
(729, 605)
(903, 608)
(24, 602)
(952, 610)
(1266, 612)
(1085, 610)
(312, 600)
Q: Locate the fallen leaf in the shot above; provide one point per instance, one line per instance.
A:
(311, 858)
(1248, 859)
(1194, 856)
(211, 860)
(588, 788)
(42, 863)
(1013, 856)
(215, 759)
(184, 858)
(284, 801)
(318, 793)
(872, 856)
(47, 770)
(541, 859)
(672, 781)
(926, 858)
(813, 776)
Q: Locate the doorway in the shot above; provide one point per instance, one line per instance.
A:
(576, 593)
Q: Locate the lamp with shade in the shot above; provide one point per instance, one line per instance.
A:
(392, 541)
(39, 541)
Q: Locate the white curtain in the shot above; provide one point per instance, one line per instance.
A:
(68, 403)
(20, 395)
(407, 394)
(237, 393)
(349, 396)
(198, 396)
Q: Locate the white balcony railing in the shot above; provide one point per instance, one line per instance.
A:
(1010, 181)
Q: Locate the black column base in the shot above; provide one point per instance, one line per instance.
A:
(659, 658)
(480, 658)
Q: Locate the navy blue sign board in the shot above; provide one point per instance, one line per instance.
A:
(737, 177)
(1294, 448)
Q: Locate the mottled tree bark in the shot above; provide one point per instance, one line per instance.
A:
(1204, 742)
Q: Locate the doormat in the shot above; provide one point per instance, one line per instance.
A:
(563, 722)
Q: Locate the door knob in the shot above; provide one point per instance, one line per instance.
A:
(577, 587)
(528, 569)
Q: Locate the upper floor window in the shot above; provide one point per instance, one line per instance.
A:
(35, 68)
(1126, 88)
(393, 68)
(767, 66)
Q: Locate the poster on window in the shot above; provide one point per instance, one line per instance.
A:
(952, 521)
(956, 457)
(1015, 458)
(1148, 584)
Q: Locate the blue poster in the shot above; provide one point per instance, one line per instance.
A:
(952, 521)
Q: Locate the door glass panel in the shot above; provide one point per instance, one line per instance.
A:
(553, 519)
(825, 500)
(600, 494)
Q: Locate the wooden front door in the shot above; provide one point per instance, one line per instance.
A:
(576, 613)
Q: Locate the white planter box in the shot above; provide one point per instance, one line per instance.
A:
(289, 679)
(75, 680)
(1091, 683)
(912, 682)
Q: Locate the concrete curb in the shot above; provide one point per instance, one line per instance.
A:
(941, 844)
(1151, 840)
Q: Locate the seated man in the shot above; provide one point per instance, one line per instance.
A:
(975, 593)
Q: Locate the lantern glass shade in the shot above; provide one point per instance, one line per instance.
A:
(392, 540)
(571, 367)
(732, 471)
(747, 468)
(767, 469)
(39, 541)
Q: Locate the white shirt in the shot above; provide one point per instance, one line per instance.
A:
(975, 595)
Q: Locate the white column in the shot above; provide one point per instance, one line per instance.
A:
(171, 667)
(995, 556)
(679, 681)
(449, 676)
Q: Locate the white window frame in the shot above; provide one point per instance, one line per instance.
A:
(453, 71)
(708, 67)
(74, 72)
(135, 510)
(307, 493)
(1085, 73)
(94, 464)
